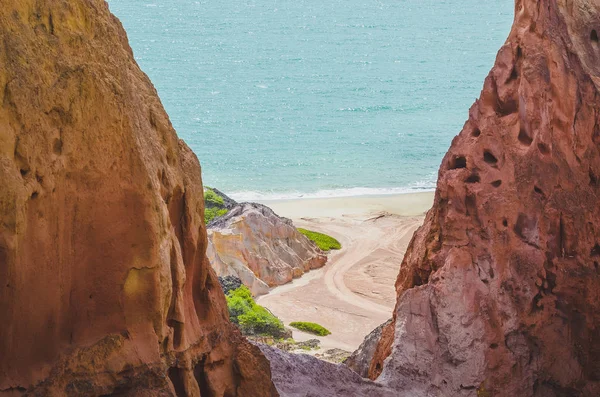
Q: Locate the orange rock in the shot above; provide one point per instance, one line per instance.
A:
(104, 282)
(262, 249)
(499, 291)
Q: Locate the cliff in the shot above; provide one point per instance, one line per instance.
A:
(262, 249)
(499, 291)
(105, 285)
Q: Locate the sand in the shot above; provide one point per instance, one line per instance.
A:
(354, 293)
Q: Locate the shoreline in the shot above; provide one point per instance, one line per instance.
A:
(251, 196)
(403, 204)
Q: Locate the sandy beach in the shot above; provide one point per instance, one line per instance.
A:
(354, 292)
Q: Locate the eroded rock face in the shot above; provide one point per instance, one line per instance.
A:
(262, 249)
(500, 289)
(104, 282)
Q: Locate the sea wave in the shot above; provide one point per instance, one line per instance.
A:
(329, 193)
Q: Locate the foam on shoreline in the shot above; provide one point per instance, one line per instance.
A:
(329, 193)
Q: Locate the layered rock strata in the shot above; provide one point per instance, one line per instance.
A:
(105, 286)
(499, 291)
(262, 249)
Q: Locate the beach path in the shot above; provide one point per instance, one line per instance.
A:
(354, 293)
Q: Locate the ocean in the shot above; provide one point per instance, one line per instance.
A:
(306, 98)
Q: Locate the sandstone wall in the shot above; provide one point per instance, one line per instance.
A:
(104, 282)
(499, 292)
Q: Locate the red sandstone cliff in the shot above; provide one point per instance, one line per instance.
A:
(499, 291)
(105, 288)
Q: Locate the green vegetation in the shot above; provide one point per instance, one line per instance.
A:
(212, 213)
(323, 241)
(212, 199)
(214, 205)
(251, 318)
(310, 328)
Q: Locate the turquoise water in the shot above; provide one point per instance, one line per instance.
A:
(286, 98)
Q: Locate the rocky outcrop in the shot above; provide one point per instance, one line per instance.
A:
(262, 249)
(229, 283)
(105, 285)
(228, 202)
(499, 291)
(361, 359)
(301, 375)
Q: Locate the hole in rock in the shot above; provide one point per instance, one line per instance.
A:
(505, 222)
(177, 381)
(476, 132)
(509, 107)
(538, 190)
(594, 36)
(489, 158)
(497, 183)
(513, 75)
(595, 251)
(34, 195)
(24, 172)
(543, 148)
(524, 137)
(473, 178)
(494, 346)
(519, 53)
(458, 162)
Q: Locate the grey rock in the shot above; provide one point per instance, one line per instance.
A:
(301, 375)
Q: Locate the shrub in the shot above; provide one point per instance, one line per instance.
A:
(214, 205)
(212, 199)
(260, 321)
(251, 318)
(212, 213)
(323, 241)
(312, 328)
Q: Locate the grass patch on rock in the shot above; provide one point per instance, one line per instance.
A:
(312, 328)
(251, 318)
(323, 241)
(214, 205)
(212, 213)
(212, 199)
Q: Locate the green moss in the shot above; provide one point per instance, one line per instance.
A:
(251, 318)
(312, 328)
(212, 213)
(323, 241)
